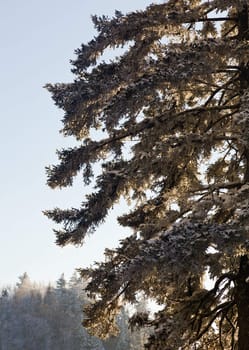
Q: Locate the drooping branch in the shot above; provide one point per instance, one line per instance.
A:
(223, 308)
(207, 308)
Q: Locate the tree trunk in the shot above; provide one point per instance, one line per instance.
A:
(242, 301)
(242, 281)
(243, 277)
(243, 22)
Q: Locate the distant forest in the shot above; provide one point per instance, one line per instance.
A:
(49, 317)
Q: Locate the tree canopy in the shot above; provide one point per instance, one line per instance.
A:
(172, 118)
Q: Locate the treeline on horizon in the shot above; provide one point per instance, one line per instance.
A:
(49, 317)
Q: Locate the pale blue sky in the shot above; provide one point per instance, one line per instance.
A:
(38, 39)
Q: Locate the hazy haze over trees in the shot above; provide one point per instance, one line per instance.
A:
(39, 317)
(172, 114)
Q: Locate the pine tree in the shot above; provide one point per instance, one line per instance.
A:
(61, 285)
(24, 285)
(172, 114)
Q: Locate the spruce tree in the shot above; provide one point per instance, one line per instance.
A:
(172, 120)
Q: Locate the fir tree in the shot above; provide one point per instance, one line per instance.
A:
(172, 114)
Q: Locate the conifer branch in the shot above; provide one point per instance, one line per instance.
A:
(174, 113)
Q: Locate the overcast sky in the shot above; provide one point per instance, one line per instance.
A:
(38, 39)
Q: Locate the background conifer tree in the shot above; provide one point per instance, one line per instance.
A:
(172, 112)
